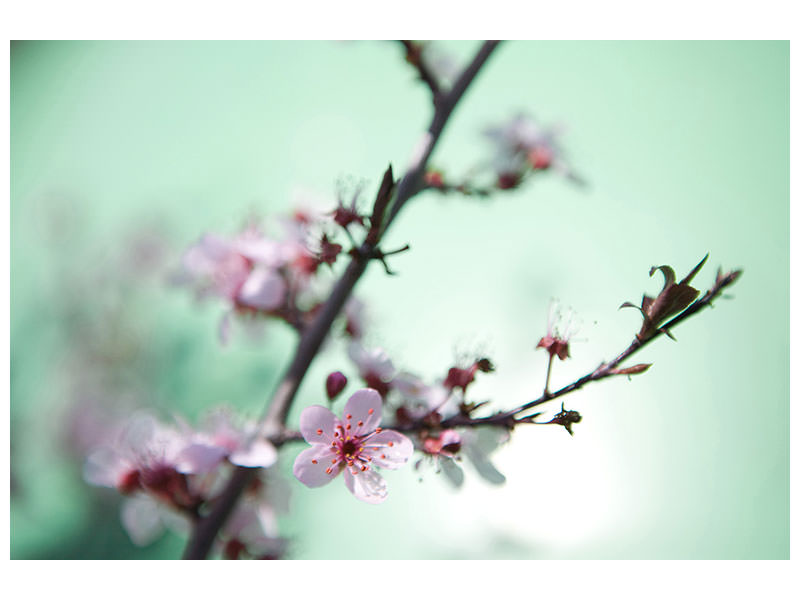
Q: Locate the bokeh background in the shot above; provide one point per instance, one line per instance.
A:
(124, 153)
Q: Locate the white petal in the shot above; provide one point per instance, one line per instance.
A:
(104, 467)
(199, 458)
(366, 485)
(260, 454)
(452, 471)
(264, 289)
(141, 519)
(389, 449)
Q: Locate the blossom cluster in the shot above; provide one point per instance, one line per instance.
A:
(420, 408)
(169, 473)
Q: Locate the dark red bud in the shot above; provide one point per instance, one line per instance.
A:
(507, 181)
(328, 251)
(335, 383)
(459, 378)
(434, 179)
(484, 365)
(233, 549)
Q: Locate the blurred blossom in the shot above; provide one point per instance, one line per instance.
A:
(521, 147)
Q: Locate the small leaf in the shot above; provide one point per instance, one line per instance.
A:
(634, 370)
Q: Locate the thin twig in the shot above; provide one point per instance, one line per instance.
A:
(414, 57)
(512, 417)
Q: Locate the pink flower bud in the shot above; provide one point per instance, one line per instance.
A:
(335, 383)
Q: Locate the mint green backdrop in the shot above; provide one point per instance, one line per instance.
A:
(685, 148)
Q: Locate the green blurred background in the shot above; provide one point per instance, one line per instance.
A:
(123, 153)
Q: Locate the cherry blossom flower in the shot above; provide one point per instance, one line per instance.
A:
(144, 463)
(522, 146)
(354, 445)
(252, 529)
(374, 366)
(423, 399)
(447, 448)
(145, 455)
(559, 333)
(442, 449)
(219, 439)
(355, 320)
(242, 271)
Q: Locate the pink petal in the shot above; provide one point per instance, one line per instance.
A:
(142, 520)
(317, 424)
(104, 467)
(267, 252)
(363, 407)
(260, 454)
(264, 289)
(310, 466)
(366, 485)
(389, 449)
(199, 458)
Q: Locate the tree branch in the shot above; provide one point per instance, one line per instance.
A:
(206, 528)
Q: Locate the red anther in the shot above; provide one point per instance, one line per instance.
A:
(348, 427)
(335, 434)
(349, 416)
(375, 448)
(334, 461)
(391, 444)
(383, 456)
(328, 470)
(319, 431)
(360, 423)
(378, 429)
(370, 411)
(313, 461)
(363, 467)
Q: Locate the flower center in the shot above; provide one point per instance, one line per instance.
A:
(349, 448)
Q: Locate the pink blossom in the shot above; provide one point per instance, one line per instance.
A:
(252, 529)
(354, 445)
(442, 450)
(521, 146)
(243, 271)
(560, 330)
(374, 366)
(447, 448)
(145, 453)
(219, 439)
(355, 319)
(424, 399)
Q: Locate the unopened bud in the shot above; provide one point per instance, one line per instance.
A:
(334, 385)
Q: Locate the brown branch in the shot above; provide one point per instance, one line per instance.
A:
(510, 418)
(205, 530)
(414, 57)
